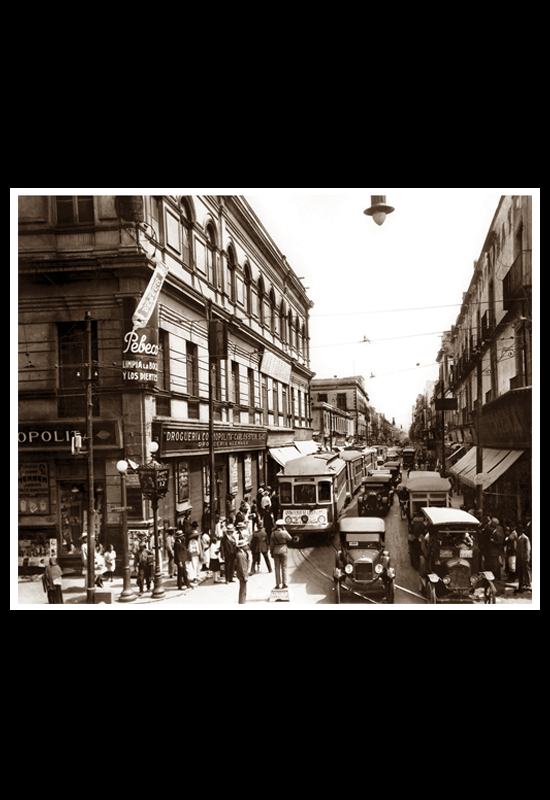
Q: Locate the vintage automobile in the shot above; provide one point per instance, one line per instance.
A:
(376, 496)
(395, 468)
(362, 562)
(408, 456)
(425, 489)
(450, 570)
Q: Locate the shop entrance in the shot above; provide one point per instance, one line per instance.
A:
(73, 513)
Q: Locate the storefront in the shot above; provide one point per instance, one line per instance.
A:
(239, 465)
(53, 489)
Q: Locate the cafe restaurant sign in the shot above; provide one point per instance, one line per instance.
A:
(176, 440)
(57, 435)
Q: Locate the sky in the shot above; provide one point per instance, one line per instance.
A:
(398, 285)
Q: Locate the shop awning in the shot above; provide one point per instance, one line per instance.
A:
(282, 455)
(495, 463)
(306, 447)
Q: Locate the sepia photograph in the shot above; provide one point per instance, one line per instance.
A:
(275, 399)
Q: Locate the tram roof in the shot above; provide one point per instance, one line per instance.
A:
(316, 464)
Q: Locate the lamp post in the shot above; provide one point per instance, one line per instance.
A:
(153, 479)
(127, 594)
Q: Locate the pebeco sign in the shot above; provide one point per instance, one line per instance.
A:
(140, 356)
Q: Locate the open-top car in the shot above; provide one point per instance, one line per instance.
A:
(363, 562)
(376, 496)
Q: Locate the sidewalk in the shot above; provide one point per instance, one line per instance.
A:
(30, 590)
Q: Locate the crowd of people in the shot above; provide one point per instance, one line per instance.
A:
(235, 548)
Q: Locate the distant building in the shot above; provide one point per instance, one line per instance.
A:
(346, 394)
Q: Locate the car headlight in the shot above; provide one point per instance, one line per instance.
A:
(390, 572)
(446, 579)
(379, 569)
(473, 579)
(348, 569)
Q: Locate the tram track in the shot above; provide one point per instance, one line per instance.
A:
(353, 591)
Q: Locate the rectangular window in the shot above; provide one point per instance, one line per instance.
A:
(71, 210)
(341, 402)
(285, 493)
(192, 362)
(235, 392)
(72, 351)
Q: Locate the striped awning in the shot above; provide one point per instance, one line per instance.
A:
(495, 463)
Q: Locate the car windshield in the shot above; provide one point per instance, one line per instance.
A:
(456, 538)
(362, 539)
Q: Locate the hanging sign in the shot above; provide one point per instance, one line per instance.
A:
(143, 312)
(140, 356)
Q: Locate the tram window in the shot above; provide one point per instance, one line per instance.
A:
(304, 493)
(324, 492)
(285, 492)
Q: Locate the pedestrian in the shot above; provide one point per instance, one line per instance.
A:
(523, 561)
(253, 517)
(241, 562)
(193, 545)
(510, 553)
(84, 556)
(204, 543)
(143, 565)
(258, 546)
(170, 543)
(279, 551)
(215, 558)
(110, 562)
(275, 505)
(496, 547)
(99, 566)
(52, 583)
(228, 551)
(181, 558)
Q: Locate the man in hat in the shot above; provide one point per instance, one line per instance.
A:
(279, 551)
(241, 561)
(170, 543)
(228, 550)
(143, 565)
(84, 556)
(181, 556)
(523, 561)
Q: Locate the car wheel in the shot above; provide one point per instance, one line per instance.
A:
(490, 597)
(338, 592)
(390, 592)
(432, 597)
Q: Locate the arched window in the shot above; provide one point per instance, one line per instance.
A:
(232, 266)
(283, 322)
(247, 290)
(273, 304)
(186, 221)
(211, 247)
(261, 300)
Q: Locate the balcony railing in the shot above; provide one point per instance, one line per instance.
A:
(519, 276)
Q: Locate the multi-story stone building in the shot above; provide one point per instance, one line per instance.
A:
(347, 394)
(95, 256)
(487, 360)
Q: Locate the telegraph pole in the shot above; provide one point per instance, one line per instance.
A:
(90, 592)
(212, 364)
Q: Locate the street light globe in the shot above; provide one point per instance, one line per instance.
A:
(153, 447)
(379, 217)
(122, 465)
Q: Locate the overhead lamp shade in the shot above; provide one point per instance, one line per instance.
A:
(378, 209)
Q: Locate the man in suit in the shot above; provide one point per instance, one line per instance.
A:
(181, 556)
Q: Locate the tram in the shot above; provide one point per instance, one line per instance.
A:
(312, 495)
(355, 470)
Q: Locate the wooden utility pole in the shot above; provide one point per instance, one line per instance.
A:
(479, 438)
(90, 591)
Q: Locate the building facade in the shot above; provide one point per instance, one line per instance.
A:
(486, 360)
(346, 394)
(95, 256)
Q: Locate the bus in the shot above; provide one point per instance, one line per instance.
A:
(312, 495)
